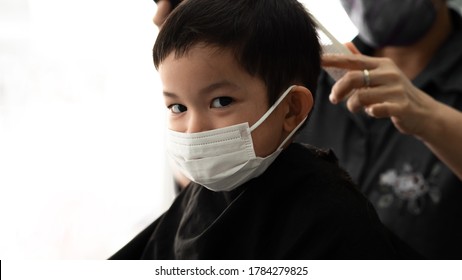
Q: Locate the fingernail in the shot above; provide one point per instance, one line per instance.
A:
(332, 98)
(368, 111)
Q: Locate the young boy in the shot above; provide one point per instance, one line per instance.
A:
(238, 77)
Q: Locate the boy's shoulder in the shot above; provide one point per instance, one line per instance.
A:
(320, 165)
(308, 152)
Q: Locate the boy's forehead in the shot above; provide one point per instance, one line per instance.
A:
(202, 66)
(201, 57)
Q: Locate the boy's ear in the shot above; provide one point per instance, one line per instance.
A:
(300, 103)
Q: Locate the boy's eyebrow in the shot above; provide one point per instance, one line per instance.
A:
(169, 94)
(216, 86)
(207, 89)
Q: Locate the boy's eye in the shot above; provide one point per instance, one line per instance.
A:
(221, 102)
(177, 108)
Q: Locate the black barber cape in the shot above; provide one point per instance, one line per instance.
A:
(302, 207)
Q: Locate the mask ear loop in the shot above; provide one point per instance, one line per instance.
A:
(271, 109)
(292, 133)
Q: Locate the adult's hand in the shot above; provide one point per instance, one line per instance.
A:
(379, 87)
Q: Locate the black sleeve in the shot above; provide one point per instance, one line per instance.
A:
(174, 2)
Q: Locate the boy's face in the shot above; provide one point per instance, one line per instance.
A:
(207, 89)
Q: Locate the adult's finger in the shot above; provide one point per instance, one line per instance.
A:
(351, 62)
(352, 48)
(164, 7)
(351, 81)
(366, 97)
(345, 87)
(384, 75)
(382, 110)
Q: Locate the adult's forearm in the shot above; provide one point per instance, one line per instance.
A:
(443, 135)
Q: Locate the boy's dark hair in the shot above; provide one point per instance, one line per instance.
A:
(274, 40)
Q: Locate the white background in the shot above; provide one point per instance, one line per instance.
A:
(81, 127)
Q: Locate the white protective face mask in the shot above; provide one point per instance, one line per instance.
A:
(222, 159)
